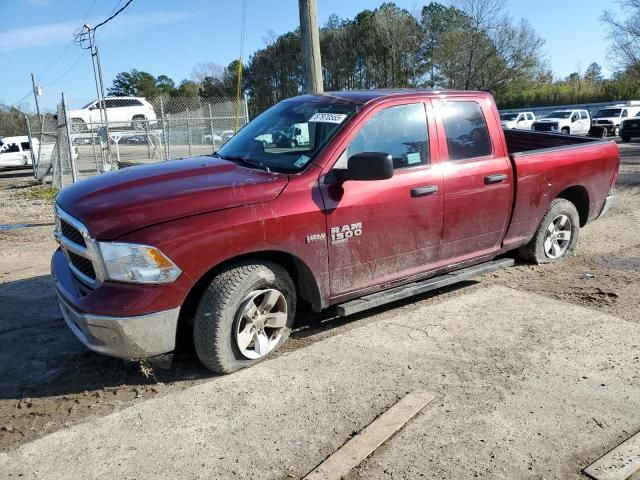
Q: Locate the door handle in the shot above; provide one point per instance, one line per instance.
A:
(495, 178)
(422, 191)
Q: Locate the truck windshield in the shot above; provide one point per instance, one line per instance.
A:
(559, 114)
(290, 134)
(609, 112)
(507, 117)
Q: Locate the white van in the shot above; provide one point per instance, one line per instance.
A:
(610, 118)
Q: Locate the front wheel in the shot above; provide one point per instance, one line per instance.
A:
(565, 131)
(625, 138)
(556, 236)
(245, 314)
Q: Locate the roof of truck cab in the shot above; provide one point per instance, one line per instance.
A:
(365, 96)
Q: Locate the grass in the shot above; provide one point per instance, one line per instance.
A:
(39, 192)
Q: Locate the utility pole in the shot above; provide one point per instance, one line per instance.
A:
(310, 46)
(37, 91)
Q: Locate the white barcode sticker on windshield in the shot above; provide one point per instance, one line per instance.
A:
(328, 117)
(302, 161)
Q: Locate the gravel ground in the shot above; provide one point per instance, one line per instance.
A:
(50, 381)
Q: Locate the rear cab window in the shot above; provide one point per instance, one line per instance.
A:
(466, 130)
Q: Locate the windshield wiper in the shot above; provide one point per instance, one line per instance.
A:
(247, 162)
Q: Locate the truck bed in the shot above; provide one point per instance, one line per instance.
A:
(547, 165)
(520, 142)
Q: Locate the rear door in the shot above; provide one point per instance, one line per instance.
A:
(478, 181)
(380, 231)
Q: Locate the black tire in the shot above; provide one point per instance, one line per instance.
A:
(78, 125)
(534, 251)
(219, 309)
(138, 122)
(625, 139)
(293, 143)
(565, 131)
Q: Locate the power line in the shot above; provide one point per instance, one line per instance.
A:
(21, 98)
(71, 67)
(66, 49)
(114, 15)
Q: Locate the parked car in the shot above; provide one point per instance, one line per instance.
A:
(610, 118)
(630, 128)
(122, 112)
(16, 151)
(219, 137)
(517, 120)
(228, 245)
(568, 122)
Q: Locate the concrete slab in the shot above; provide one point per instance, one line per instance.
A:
(618, 464)
(526, 387)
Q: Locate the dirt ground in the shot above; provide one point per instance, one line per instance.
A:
(49, 380)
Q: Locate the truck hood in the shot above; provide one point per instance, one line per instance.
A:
(115, 203)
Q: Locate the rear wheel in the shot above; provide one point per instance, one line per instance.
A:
(565, 131)
(139, 122)
(245, 314)
(556, 236)
(78, 125)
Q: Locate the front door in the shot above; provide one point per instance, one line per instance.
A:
(382, 230)
(478, 182)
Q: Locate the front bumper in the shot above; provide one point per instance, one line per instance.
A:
(117, 319)
(124, 337)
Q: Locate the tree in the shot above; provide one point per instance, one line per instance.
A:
(624, 35)
(136, 84)
(221, 86)
(208, 69)
(165, 85)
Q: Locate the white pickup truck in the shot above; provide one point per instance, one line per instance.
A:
(568, 122)
(610, 118)
(16, 151)
(517, 120)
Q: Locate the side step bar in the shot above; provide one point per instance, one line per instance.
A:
(404, 291)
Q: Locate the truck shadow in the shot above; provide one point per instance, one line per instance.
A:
(40, 357)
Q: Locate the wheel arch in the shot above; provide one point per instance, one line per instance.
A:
(579, 196)
(305, 281)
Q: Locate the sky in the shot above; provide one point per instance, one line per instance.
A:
(170, 37)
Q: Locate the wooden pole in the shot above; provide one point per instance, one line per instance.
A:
(310, 46)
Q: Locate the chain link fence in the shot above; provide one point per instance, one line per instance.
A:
(86, 140)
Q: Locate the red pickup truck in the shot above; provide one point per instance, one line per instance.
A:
(385, 194)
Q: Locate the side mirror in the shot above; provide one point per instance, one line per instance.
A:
(367, 166)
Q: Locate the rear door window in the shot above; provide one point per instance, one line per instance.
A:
(25, 146)
(466, 130)
(400, 131)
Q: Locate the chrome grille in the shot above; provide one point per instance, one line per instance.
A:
(79, 248)
(72, 234)
(83, 264)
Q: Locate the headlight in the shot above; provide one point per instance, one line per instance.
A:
(128, 262)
